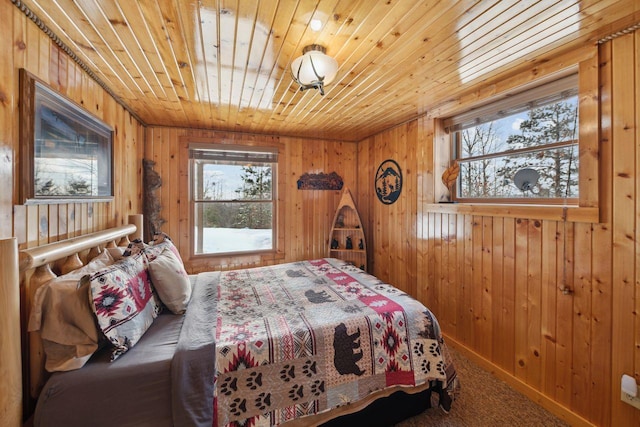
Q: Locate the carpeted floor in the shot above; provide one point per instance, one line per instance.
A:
(484, 401)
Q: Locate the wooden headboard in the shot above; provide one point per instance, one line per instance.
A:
(21, 273)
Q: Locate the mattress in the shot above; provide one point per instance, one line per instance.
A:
(100, 394)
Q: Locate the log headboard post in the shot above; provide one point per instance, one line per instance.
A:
(10, 352)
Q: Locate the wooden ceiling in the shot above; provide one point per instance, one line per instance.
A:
(224, 64)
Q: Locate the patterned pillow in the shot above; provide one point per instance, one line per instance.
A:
(123, 301)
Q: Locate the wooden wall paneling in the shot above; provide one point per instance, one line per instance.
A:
(467, 304)
(581, 372)
(62, 221)
(420, 221)
(534, 261)
(184, 211)
(33, 50)
(361, 193)
(601, 326)
(177, 196)
(167, 197)
(460, 308)
(588, 109)
(411, 217)
(394, 234)
(475, 289)
(294, 202)
(10, 82)
(313, 241)
(497, 291)
(32, 226)
(386, 213)
(486, 287)
(564, 348)
(452, 298)
(52, 223)
(443, 268)
(128, 172)
(84, 218)
(624, 236)
(7, 133)
(435, 246)
(548, 297)
(636, 126)
(521, 300)
(509, 308)
(54, 67)
(302, 218)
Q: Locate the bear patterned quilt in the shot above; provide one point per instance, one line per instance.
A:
(302, 338)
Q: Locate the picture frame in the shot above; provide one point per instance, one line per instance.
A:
(66, 154)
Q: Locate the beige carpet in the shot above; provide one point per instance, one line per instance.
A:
(484, 401)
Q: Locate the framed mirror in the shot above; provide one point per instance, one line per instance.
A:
(65, 152)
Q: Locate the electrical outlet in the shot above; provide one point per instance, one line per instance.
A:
(627, 398)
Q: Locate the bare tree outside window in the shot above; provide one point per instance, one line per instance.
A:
(544, 138)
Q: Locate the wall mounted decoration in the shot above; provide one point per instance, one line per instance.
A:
(65, 152)
(152, 208)
(449, 177)
(388, 181)
(320, 181)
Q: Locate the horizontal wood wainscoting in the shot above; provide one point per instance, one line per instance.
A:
(304, 216)
(496, 282)
(26, 46)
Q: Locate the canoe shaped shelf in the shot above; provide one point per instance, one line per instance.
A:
(346, 239)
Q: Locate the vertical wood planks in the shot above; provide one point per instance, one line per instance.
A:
(303, 215)
(624, 218)
(38, 224)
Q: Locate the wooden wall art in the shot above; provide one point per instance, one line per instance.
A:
(320, 181)
(388, 181)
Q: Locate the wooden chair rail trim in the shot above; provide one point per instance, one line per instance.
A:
(555, 213)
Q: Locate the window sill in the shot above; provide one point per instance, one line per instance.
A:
(550, 212)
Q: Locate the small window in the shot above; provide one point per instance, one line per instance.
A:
(233, 199)
(522, 148)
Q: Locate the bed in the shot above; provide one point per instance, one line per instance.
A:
(304, 343)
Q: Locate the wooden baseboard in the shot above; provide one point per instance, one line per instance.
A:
(546, 402)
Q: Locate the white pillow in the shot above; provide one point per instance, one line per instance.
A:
(171, 281)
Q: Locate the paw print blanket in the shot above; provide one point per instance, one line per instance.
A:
(298, 339)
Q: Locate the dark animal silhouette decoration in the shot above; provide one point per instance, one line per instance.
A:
(318, 297)
(361, 244)
(349, 243)
(388, 182)
(295, 273)
(345, 348)
(334, 244)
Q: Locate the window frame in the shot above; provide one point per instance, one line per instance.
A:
(588, 208)
(521, 102)
(36, 97)
(231, 148)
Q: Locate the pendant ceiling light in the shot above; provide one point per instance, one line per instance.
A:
(314, 68)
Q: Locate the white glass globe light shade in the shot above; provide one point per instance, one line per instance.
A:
(311, 67)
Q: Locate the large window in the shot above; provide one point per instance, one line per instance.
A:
(233, 198)
(523, 147)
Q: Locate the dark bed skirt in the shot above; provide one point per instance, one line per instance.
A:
(386, 411)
